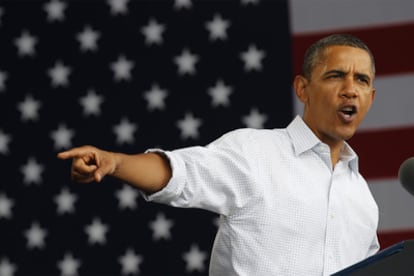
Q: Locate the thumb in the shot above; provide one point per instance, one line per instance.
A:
(104, 169)
(98, 176)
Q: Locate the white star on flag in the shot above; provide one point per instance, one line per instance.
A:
(97, 232)
(6, 267)
(195, 259)
(183, 4)
(255, 119)
(130, 262)
(62, 137)
(35, 236)
(155, 97)
(122, 68)
(153, 32)
(91, 103)
(6, 204)
(125, 131)
(127, 197)
(88, 39)
(69, 265)
(218, 28)
(189, 126)
(32, 171)
(55, 10)
(220, 94)
(161, 227)
(253, 58)
(118, 6)
(5, 139)
(186, 62)
(29, 109)
(65, 201)
(59, 74)
(26, 44)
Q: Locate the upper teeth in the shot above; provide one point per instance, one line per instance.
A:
(348, 109)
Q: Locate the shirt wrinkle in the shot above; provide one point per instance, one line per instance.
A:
(282, 213)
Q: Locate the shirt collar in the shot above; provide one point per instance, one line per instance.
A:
(303, 139)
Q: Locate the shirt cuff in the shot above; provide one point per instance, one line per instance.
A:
(176, 183)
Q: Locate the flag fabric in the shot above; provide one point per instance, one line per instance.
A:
(129, 75)
(385, 138)
(125, 76)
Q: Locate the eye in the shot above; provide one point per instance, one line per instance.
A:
(334, 76)
(364, 80)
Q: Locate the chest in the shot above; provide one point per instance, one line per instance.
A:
(306, 194)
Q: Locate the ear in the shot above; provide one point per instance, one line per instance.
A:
(373, 93)
(299, 84)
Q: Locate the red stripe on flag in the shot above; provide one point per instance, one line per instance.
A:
(387, 239)
(381, 152)
(392, 46)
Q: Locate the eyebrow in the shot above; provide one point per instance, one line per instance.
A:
(343, 73)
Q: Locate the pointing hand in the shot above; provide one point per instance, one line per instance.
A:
(89, 163)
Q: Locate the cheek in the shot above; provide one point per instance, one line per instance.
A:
(322, 99)
(366, 103)
(324, 102)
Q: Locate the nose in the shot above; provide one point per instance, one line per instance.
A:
(349, 89)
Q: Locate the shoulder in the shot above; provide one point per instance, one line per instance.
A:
(250, 136)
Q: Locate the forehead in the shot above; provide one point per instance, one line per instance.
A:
(345, 58)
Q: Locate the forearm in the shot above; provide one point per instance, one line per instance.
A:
(149, 172)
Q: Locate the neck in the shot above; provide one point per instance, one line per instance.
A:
(335, 149)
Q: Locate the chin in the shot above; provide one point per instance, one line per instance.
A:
(346, 135)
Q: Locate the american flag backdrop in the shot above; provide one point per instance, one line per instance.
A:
(124, 76)
(131, 75)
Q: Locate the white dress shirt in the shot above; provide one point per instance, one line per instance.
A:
(284, 209)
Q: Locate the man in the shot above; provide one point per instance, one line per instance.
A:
(291, 200)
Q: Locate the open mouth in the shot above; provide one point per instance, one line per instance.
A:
(348, 110)
(347, 113)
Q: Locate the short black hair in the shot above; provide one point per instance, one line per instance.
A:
(317, 49)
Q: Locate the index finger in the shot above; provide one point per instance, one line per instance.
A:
(75, 152)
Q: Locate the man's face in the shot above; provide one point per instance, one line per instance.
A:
(338, 94)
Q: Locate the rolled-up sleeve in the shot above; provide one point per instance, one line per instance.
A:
(175, 185)
(218, 177)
